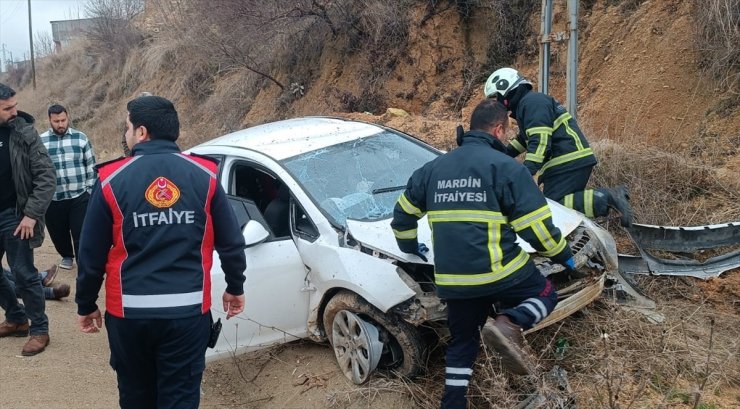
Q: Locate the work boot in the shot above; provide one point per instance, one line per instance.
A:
(619, 200)
(51, 274)
(9, 329)
(35, 345)
(60, 291)
(506, 338)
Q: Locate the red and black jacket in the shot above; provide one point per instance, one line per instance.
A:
(152, 223)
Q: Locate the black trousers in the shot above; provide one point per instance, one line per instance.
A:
(526, 304)
(64, 221)
(159, 363)
(569, 189)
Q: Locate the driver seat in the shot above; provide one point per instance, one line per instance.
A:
(276, 212)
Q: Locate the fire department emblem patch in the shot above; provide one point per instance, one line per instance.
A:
(162, 192)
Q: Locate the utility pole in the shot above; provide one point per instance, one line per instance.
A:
(572, 70)
(571, 79)
(30, 39)
(545, 29)
(2, 62)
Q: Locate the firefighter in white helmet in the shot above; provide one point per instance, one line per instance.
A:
(554, 147)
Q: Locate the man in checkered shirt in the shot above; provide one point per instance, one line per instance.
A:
(73, 157)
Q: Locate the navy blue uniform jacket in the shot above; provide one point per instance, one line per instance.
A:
(151, 226)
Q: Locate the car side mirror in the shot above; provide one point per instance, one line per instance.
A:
(254, 233)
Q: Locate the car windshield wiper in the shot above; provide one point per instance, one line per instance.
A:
(388, 189)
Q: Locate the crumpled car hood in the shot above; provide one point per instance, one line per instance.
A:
(379, 236)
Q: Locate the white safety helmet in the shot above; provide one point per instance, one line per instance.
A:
(502, 81)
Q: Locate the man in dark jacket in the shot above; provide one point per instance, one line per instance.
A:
(477, 199)
(151, 226)
(27, 181)
(555, 147)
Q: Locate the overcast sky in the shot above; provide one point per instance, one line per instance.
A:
(14, 21)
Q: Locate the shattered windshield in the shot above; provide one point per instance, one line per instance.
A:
(361, 179)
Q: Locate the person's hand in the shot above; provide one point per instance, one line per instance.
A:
(570, 264)
(421, 251)
(90, 323)
(233, 304)
(25, 228)
(570, 269)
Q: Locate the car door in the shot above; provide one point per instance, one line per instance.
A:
(276, 308)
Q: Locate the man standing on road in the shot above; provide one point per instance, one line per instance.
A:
(72, 154)
(27, 185)
(151, 226)
(477, 199)
(555, 147)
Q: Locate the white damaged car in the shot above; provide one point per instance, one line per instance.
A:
(314, 197)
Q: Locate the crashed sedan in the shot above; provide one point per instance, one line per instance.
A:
(314, 198)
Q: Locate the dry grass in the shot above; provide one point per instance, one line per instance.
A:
(718, 41)
(668, 187)
(614, 359)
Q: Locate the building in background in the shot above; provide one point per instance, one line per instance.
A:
(64, 31)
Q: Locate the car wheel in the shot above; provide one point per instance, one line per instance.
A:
(402, 346)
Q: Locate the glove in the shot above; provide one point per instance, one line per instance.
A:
(570, 264)
(421, 250)
(570, 269)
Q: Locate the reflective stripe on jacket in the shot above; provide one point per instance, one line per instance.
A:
(476, 200)
(549, 135)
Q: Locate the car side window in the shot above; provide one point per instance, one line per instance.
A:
(267, 194)
(251, 182)
(302, 224)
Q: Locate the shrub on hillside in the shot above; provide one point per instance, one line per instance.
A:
(286, 41)
(627, 7)
(282, 42)
(718, 40)
(17, 76)
(511, 30)
(667, 187)
(112, 33)
(507, 24)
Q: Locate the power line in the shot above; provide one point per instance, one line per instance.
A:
(10, 15)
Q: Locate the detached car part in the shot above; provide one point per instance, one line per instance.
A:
(678, 240)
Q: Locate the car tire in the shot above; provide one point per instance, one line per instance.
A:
(403, 347)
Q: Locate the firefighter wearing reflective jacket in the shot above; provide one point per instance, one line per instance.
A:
(151, 226)
(554, 147)
(477, 199)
